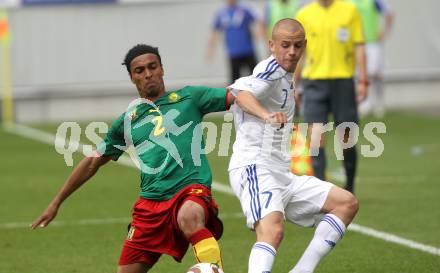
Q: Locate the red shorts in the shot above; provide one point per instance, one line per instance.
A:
(154, 229)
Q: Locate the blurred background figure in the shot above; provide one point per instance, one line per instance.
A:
(276, 10)
(335, 46)
(236, 22)
(377, 19)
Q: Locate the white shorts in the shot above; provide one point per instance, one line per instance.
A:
(262, 191)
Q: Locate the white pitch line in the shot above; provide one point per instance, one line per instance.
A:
(92, 222)
(38, 135)
(84, 222)
(394, 239)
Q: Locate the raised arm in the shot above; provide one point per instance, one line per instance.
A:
(86, 168)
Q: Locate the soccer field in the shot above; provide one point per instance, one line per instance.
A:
(399, 195)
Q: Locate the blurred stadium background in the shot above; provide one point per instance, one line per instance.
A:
(61, 61)
(67, 57)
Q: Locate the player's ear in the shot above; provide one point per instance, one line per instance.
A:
(271, 46)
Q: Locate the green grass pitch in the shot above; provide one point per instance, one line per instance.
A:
(399, 193)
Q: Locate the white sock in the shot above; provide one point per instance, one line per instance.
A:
(261, 258)
(328, 232)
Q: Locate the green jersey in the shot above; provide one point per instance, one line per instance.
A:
(371, 18)
(277, 10)
(168, 139)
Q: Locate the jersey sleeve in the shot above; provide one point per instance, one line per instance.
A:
(260, 83)
(114, 142)
(382, 7)
(357, 28)
(258, 87)
(209, 99)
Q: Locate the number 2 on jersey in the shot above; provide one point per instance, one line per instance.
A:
(158, 129)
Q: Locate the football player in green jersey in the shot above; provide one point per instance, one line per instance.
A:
(175, 207)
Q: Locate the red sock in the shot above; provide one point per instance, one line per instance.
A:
(202, 234)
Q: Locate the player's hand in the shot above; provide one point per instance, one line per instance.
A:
(279, 118)
(362, 91)
(46, 217)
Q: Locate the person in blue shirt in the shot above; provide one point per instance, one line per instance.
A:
(235, 22)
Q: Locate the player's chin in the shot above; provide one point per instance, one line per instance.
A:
(289, 66)
(151, 91)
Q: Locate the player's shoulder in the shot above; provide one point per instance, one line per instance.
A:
(121, 117)
(268, 70)
(177, 95)
(191, 90)
(197, 91)
(117, 126)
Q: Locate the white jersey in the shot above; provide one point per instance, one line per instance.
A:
(258, 142)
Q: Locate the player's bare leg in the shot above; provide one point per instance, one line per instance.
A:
(270, 232)
(270, 229)
(340, 207)
(191, 219)
(341, 203)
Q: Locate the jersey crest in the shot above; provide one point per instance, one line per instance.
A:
(173, 97)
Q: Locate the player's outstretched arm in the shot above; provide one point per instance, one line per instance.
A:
(249, 104)
(82, 172)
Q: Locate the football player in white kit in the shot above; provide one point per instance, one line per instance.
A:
(259, 168)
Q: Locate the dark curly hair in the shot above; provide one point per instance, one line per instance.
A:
(137, 50)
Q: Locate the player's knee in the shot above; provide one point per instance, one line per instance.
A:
(189, 224)
(190, 219)
(352, 204)
(272, 234)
